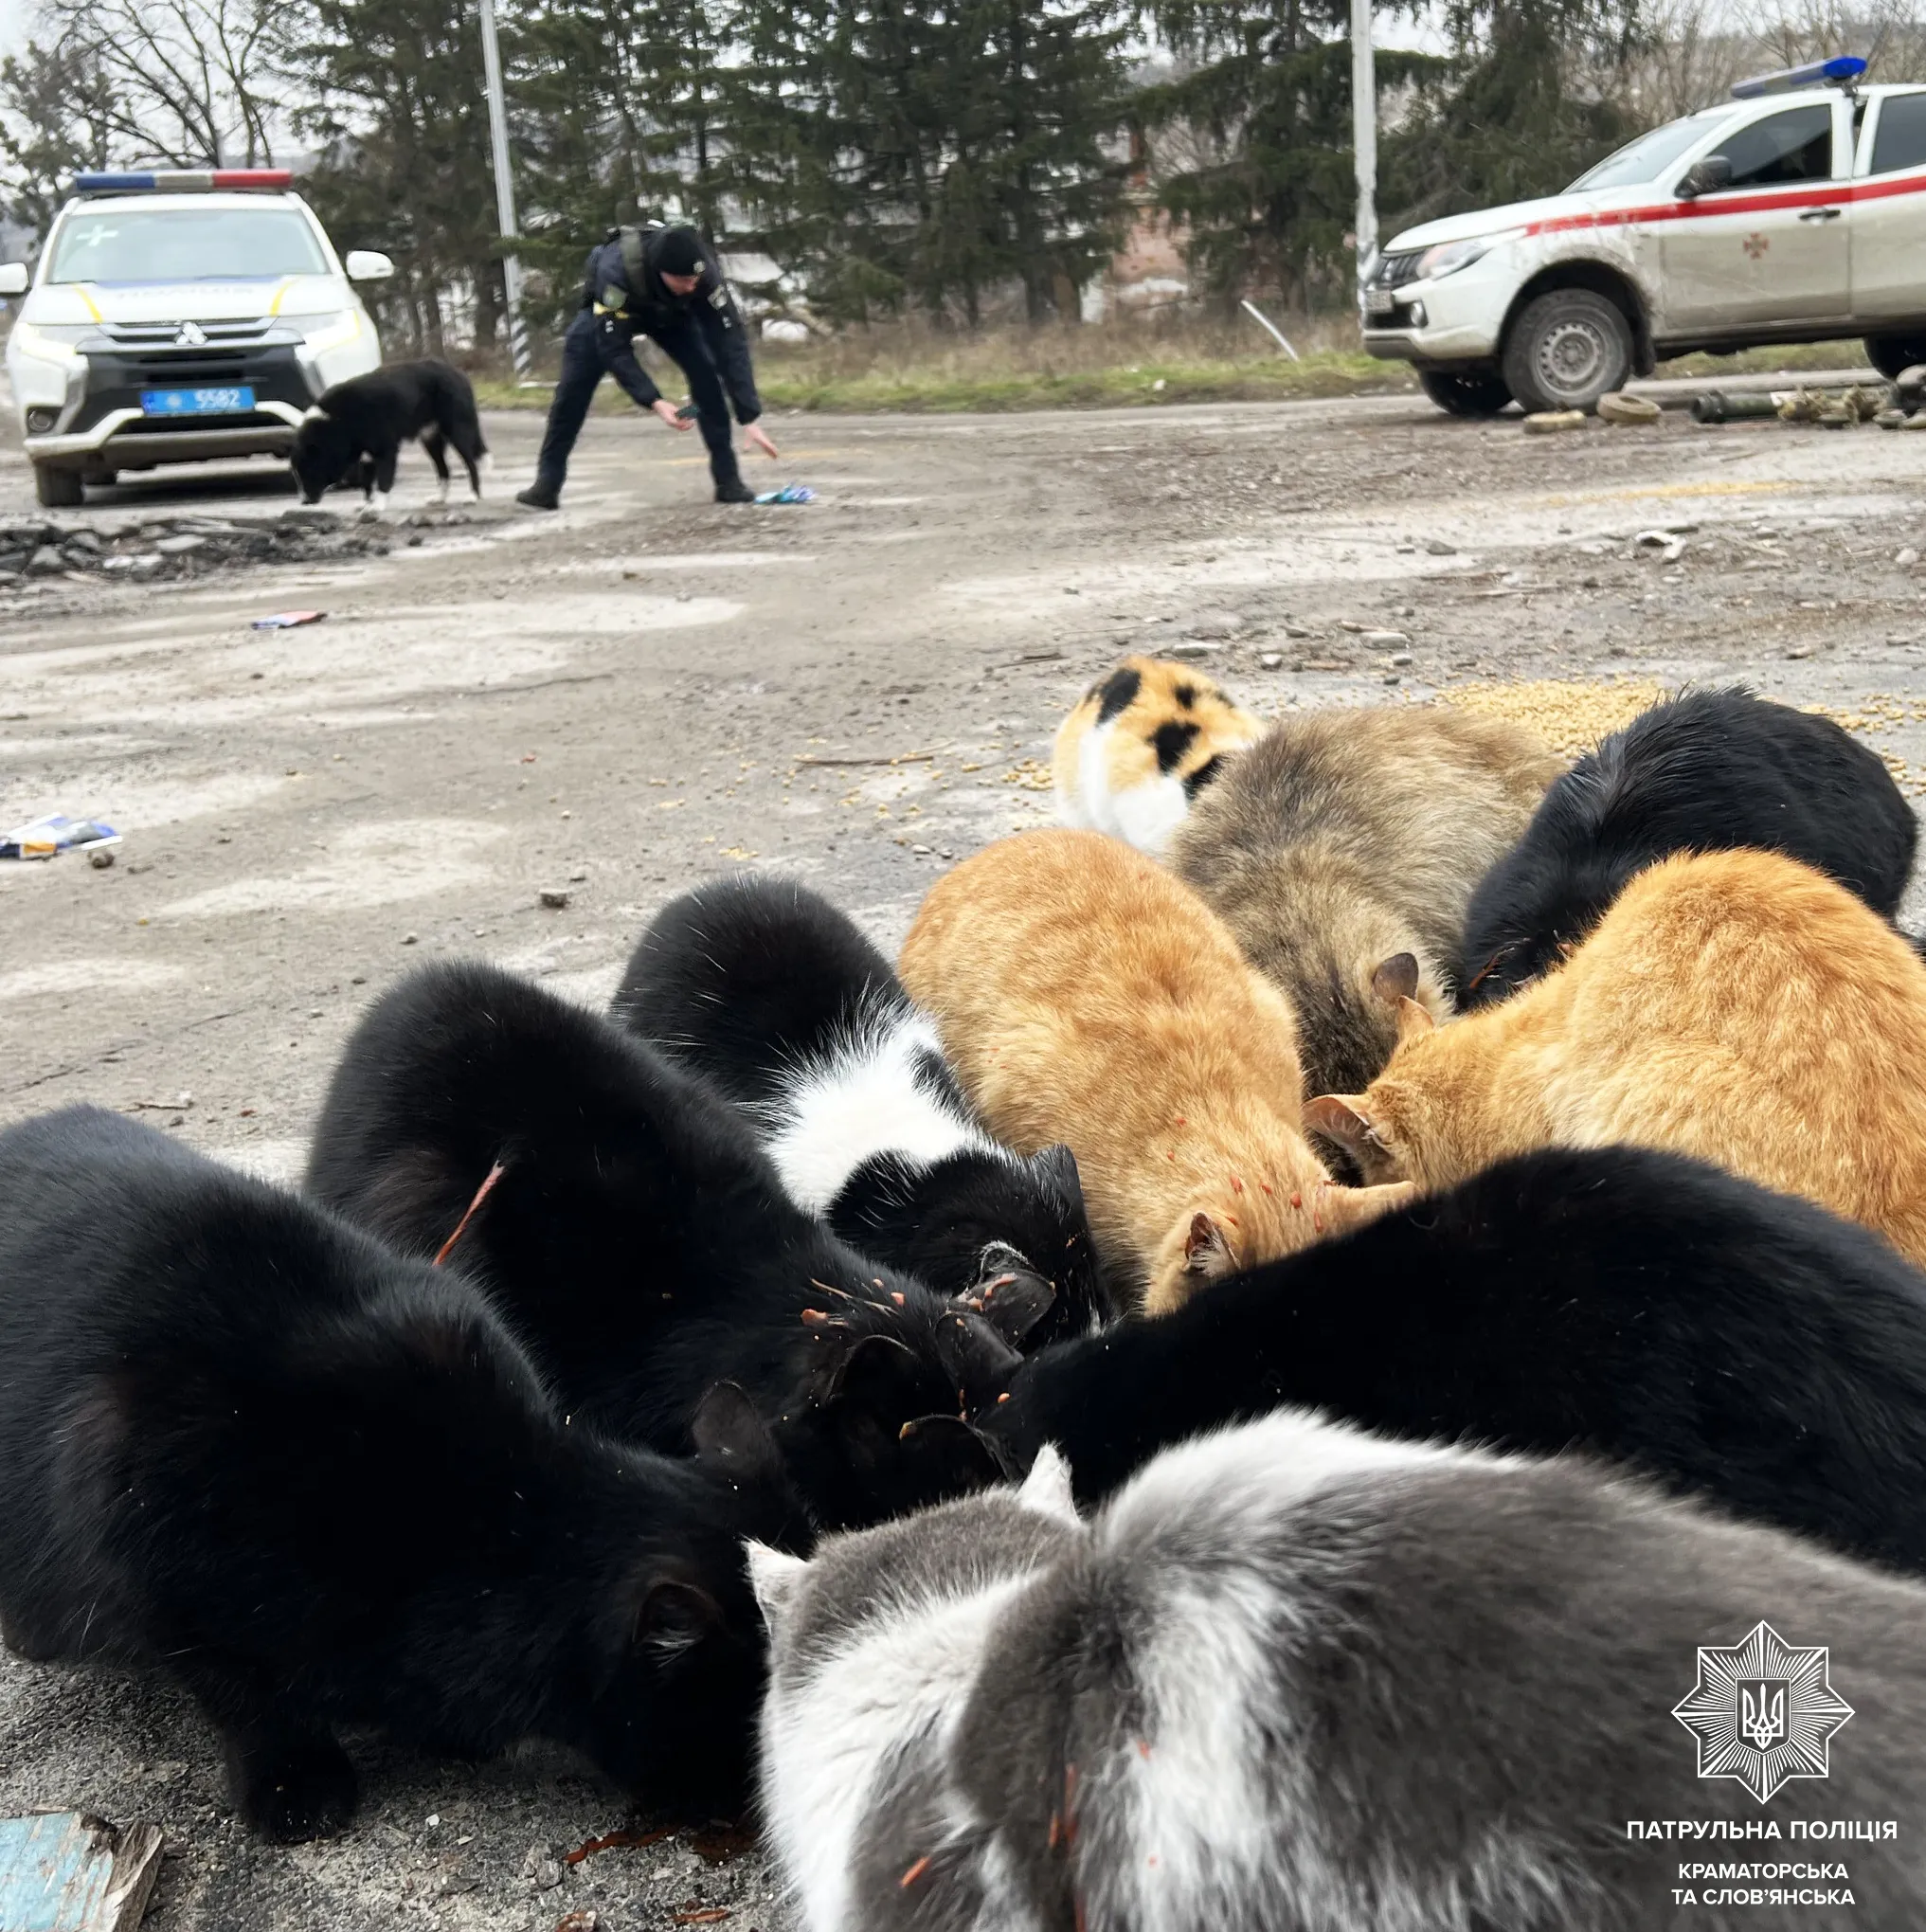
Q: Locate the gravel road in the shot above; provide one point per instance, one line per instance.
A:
(619, 701)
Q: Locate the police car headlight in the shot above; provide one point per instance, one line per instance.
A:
(1449, 257)
(324, 332)
(52, 340)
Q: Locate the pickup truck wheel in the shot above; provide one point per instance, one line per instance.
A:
(1566, 349)
(1893, 355)
(1460, 393)
(58, 489)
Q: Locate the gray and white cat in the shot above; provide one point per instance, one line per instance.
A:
(1297, 1678)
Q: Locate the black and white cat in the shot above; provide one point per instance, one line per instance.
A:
(321, 1487)
(775, 997)
(1295, 1678)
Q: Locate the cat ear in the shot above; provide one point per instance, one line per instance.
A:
(1412, 1019)
(1047, 1487)
(727, 1431)
(675, 1617)
(1341, 1208)
(1206, 1249)
(1009, 1293)
(775, 1576)
(1340, 1117)
(1395, 978)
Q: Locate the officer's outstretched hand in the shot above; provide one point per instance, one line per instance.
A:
(667, 412)
(755, 433)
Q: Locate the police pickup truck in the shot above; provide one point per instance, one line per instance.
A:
(175, 315)
(1794, 212)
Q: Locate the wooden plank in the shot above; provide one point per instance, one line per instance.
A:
(65, 1872)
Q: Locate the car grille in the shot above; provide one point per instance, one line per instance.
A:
(1396, 270)
(167, 335)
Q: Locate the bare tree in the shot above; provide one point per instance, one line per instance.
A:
(58, 109)
(196, 81)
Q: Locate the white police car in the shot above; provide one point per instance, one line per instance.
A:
(1794, 212)
(175, 315)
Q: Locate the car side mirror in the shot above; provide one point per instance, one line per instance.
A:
(13, 278)
(367, 264)
(1705, 177)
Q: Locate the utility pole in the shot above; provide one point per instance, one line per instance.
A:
(1363, 128)
(504, 192)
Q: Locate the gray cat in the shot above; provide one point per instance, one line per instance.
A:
(1296, 1678)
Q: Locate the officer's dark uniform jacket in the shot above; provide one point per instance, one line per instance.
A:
(702, 332)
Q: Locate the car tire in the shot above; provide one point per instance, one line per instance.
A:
(1893, 355)
(58, 489)
(1464, 392)
(1566, 349)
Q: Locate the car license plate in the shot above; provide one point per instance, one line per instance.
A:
(1377, 301)
(231, 402)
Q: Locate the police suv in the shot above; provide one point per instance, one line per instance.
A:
(1794, 212)
(175, 315)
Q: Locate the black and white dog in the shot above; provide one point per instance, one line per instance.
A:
(357, 428)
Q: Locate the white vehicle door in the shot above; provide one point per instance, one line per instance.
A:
(1889, 213)
(1774, 246)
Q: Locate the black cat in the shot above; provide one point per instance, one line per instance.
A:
(642, 1247)
(320, 1485)
(765, 989)
(1706, 772)
(1727, 1340)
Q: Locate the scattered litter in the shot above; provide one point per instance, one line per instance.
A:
(611, 1841)
(555, 898)
(1550, 422)
(1623, 410)
(43, 837)
(1717, 406)
(790, 493)
(65, 1872)
(288, 619)
(1271, 660)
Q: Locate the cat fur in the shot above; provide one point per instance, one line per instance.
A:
(1140, 745)
(767, 991)
(1296, 1678)
(640, 1244)
(1652, 1310)
(1734, 1006)
(1704, 772)
(1083, 995)
(320, 1486)
(1348, 842)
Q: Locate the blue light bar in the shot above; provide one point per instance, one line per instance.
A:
(1841, 68)
(181, 180)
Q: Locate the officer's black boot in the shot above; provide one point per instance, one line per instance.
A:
(734, 491)
(540, 494)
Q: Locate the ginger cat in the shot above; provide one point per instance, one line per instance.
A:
(1083, 994)
(1736, 1005)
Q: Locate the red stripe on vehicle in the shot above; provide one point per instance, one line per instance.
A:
(1835, 195)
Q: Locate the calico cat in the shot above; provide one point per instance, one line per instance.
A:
(320, 1486)
(641, 1246)
(1140, 745)
(1704, 772)
(1723, 1340)
(1341, 851)
(1295, 1677)
(1085, 996)
(767, 991)
(1736, 1006)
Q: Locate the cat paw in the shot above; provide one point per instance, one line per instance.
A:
(295, 1791)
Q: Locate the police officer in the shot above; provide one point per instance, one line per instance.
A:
(665, 283)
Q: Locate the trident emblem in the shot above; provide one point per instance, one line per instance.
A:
(1762, 1718)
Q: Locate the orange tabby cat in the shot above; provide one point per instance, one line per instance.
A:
(1085, 996)
(1736, 1006)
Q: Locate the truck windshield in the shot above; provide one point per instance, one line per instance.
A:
(1646, 158)
(185, 245)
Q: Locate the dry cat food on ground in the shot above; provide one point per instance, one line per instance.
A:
(1569, 715)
